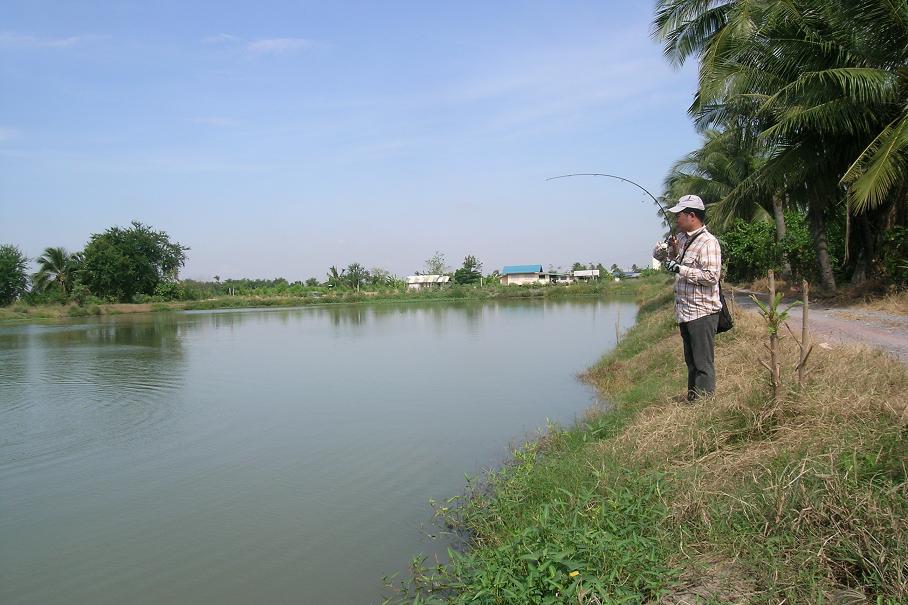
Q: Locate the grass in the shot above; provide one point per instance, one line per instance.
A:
(893, 302)
(735, 499)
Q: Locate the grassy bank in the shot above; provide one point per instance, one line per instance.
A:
(735, 499)
(23, 312)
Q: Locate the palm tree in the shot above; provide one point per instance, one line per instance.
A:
(823, 86)
(725, 160)
(336, 278)
(56, 267)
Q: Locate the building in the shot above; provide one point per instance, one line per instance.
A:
(521, 275)
(421, 282)
(586, 274)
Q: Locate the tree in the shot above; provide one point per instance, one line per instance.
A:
(578, 267)
(357, 275)
(13, 274)
(437, 265)
(56, 267)
(725, 160)
(336, 278)
(380, 277)
(312, 282)
(123, 262)
(822, 86)
(470, 272)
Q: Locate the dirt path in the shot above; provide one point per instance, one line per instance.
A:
(886, 331)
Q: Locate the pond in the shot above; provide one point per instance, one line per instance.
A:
(270, 456)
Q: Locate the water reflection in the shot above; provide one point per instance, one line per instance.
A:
(68, 389)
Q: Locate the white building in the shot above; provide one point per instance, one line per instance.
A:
(420, 282)
(586, 274)
(521, 275)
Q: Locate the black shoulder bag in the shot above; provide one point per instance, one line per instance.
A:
(725, 322)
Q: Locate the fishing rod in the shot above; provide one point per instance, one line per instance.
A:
(671, 228)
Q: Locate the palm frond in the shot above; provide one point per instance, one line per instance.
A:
(879, 168)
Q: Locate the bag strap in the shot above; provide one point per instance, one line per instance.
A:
(689, 242)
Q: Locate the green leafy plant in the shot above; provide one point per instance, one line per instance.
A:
(13, 275)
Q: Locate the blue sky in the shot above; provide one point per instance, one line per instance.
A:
(279, 138)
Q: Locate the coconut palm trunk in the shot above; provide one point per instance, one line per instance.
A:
(778, 213)
(817, 222)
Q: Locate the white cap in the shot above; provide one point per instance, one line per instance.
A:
(686, 202)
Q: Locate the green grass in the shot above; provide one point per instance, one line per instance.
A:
(737, 499)
(20, 312)
(454, 293)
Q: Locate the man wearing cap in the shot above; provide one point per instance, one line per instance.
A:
(696, 259)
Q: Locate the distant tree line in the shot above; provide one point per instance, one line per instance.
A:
(118, 265)
(139, 264)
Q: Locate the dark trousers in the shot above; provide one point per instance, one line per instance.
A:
(699, 337)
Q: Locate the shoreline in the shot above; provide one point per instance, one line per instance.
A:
(740, 498)
(19, 313)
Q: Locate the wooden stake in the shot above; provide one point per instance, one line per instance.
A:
(804, 345)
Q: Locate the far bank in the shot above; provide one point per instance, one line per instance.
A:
(19, 312)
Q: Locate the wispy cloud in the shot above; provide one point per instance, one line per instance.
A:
(16, 40)
(275, 46)
(261, 46)
(221, 39)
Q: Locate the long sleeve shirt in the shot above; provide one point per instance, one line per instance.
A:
(697, 282)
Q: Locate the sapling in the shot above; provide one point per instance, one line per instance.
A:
(774, 318)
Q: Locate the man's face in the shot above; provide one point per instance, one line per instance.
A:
(684, 221)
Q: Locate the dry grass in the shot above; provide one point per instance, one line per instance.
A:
(790, 471)
(894, 302)
(873, 295)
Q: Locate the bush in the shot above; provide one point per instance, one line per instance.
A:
(894, 255)
(798, 246)
(13, 276)
(167, 290)
(85, 311)
(749, 250)
(51, 296)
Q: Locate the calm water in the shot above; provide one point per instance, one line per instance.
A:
(264, 456)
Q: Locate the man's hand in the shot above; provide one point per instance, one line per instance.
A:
(660, 252)
(671, 266)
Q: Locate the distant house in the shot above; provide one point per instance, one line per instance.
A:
(421, 282)
(630, 274)
(586, 274)
(521, 275)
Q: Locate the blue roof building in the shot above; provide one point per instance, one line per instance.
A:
(518, 269)
(523, 274)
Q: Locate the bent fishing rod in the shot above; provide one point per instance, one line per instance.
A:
(671, 228)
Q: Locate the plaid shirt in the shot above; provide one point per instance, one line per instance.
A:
(697, 282)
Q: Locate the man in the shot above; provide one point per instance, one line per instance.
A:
(696, 259)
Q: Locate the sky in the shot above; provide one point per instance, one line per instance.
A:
(279, 138)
